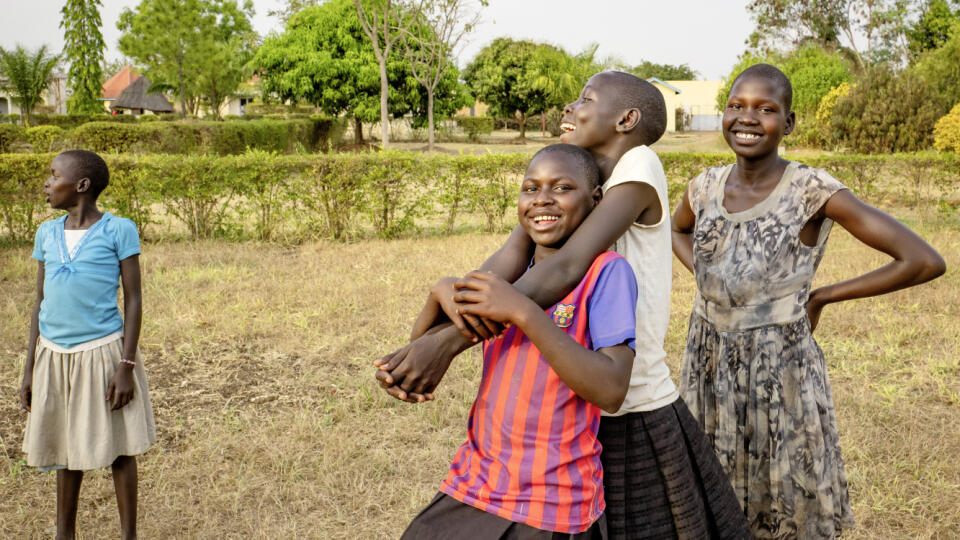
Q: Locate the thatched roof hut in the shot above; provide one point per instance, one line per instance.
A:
(135, 97)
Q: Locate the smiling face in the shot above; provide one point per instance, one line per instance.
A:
(591, 120)
(554, 199)
(756, 118)
(61, 189)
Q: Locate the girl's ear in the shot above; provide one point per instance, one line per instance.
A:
(83, 185)
(629, 120)
(597, 195)
(790, 123)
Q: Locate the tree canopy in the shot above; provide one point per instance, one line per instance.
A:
(324, 58)
(665, 72)
(197, 48)
(524, 78)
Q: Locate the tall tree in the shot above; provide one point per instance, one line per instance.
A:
(323, 57)
(382, 22)
(228, 49)
(184, 45)
(521, 78)
(831, 24)
(429, 44)
(83, 49)
(27, 76)
(932, 29)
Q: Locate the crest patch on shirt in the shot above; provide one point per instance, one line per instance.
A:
(563, 315)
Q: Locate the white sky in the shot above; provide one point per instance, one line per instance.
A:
(706, 34)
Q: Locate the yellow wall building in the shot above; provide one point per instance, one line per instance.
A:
(696, 99)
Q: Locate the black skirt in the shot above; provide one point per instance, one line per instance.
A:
(661, 479)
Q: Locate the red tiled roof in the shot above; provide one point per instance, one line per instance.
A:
(119, 82)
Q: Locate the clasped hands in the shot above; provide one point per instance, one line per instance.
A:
(476, 307)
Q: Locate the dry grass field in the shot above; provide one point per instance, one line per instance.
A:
(271, 424)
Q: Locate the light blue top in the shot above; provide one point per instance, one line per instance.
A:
(80, 287)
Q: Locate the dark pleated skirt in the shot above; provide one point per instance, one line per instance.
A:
(661, 479)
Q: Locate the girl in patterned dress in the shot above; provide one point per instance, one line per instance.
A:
(753, 234)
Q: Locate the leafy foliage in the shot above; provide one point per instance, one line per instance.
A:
(43, 138)
(475, 126)
(812, 71)
(665, 72)
(946, 134)
(933, 28)
(28, 75)
(197, 48)
(941, 67)
(887, 112)
(259, 194)
(833, 24)
(525, 78)
(83, 49)
(323, 58)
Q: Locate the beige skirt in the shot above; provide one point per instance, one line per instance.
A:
(71, 425)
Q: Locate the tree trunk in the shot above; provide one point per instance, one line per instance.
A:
(183, 102)
(384, 113)
(357, 130)
(523, 125)
(430, 119)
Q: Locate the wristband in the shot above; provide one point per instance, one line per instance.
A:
(125, 361)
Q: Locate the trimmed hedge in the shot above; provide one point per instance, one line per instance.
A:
(155, 136)
(265, 195)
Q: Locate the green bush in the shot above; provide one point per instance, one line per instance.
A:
(9, 135)
(946, 134)
(11, 118)
(475, 126)
(43, 138)
(886, 112)
(148, 118)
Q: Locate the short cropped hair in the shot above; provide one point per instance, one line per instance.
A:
(636, 93)
(774, 76)
(587, 166)
(87, 164)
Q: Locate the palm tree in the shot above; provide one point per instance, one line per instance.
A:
(27, 75)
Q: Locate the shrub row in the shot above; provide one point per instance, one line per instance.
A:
(265, 195)
(221, 138)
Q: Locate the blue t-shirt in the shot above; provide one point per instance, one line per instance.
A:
(80, 288)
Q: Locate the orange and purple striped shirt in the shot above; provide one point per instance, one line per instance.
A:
(532, 454)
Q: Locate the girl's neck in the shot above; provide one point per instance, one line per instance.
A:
(759, 170)
(82, 215)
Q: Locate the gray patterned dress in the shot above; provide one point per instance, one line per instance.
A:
(752, 373)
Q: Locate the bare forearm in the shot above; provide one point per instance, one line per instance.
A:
(683, 248)
(133, 313)
(894, 276)
(511, 260)
(34, 336)
(592, 375)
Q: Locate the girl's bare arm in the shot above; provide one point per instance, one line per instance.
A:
(914, 260)
(121, 388)
(681, 227)
(26, 385)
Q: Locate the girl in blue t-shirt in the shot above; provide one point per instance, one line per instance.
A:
(84, 385)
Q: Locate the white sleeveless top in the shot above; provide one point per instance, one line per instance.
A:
(647, 248)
